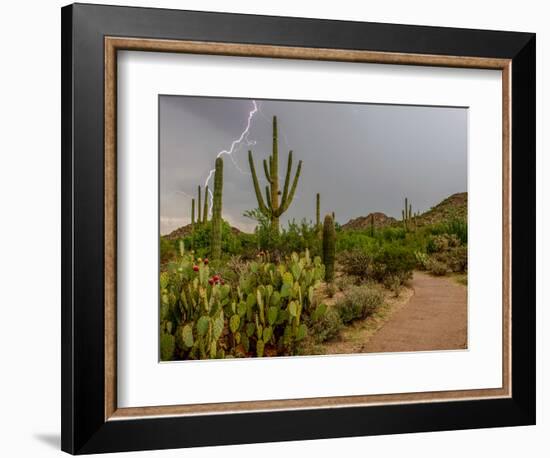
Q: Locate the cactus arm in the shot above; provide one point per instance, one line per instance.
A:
(286, 204)
(259, 198)
(287, 178)
(274, 169)
(267, 173)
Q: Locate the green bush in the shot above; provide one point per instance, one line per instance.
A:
(295, 238)
(343, 282)
(354, 240)
(421, 260)
(392, 234)
(168, 250)
(453, 226)
(459, 228)
(356, 262)
(359, 302)
(200, 239)
(393, 260)
(327, 327)
(456, 258)
(437, 267)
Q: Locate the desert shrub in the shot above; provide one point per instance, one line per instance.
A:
(393, 260)
(356, 262)
(343, 282)
(437, 267)
(331, 289)
(394, 284)
(199, 240)
(237, 265)
(456, 258)
(391, 234)
(168, 250)
(326, 327)
(421, 260)
(358, 303)
(453, 226)
(442, 242)
(459, 228)
(295, 238)
(232, 269)
(355, 240)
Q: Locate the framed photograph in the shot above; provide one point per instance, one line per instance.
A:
(281, 228)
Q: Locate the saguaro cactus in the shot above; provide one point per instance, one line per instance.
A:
(329, 247)
(318, 211)
(205, 210)
(407, 215)
(372, 224)
(216, 233)
(192, 213)
(409, 218)
(199, 207)
(272, 208)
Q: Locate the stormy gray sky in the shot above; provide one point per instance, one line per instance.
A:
(360, 157)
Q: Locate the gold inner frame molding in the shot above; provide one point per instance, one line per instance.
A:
(114, 44)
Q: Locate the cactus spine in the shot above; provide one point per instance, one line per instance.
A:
(216, 241)
(272, 208)
(205, 211)
(329, 247)
(199, 206)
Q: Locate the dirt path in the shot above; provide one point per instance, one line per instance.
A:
(434, 319)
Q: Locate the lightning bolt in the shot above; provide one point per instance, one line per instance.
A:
(229, 152)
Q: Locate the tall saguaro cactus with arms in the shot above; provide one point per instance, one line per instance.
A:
(272, 207)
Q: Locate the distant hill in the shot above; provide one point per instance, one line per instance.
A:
(454, 205)
(364, 222)
(184, 231)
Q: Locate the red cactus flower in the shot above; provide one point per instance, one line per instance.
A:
(196, 268)
(216, 277)
(205, 260)
(211, 281)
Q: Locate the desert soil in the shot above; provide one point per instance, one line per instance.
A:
(435, 318)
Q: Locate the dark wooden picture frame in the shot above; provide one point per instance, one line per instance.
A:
(91, 37)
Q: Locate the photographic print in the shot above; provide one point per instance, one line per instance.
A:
(299, 228)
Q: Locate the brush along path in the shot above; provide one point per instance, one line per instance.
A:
(434, 319)
(353, 338)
